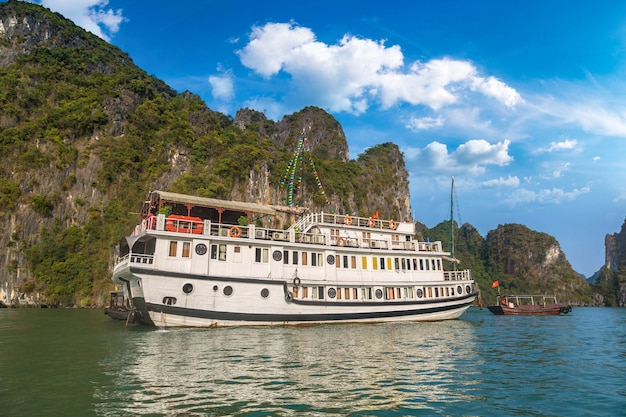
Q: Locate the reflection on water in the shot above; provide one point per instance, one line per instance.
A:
(325, 369)
(81, 363)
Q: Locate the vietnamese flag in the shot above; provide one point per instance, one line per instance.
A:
(375, 216)
(495, 284)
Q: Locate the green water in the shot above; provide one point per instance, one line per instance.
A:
(82, 363)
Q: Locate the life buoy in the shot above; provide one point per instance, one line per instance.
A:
(347, 220)
(234, 232)
(296, 282)
(392, 224)
(371, 222)
(341, 242)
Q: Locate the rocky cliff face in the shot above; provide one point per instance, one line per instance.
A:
(615, 248)
(84, 134)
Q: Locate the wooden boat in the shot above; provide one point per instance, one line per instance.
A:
(203, 262)
(118, 307)
(528, 305)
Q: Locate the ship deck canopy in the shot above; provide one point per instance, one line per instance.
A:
(162, 197)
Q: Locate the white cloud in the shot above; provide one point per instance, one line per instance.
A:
(355, 73)
(91, 15)
(222, 86)
(559, 146)
(546, 196)
(424, 123)
(495, 88)
(471, 157)
(509, 182)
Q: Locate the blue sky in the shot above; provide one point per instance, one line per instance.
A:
(524, 103)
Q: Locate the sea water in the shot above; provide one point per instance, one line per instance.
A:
(82, 363)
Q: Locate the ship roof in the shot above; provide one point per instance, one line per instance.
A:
(226, 204)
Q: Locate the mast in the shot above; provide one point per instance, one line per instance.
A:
(452, 223)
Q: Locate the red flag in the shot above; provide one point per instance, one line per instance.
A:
(495, 284)
(375, 216)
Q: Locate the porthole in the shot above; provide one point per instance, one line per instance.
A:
(265, 293)
(379, 293)
(277, 255)
(228, 290)
(419, 293)
(332, 293)
(170, 301)
(330, 259)
(459, 290)
(468, 289)
(187, 288)
(201, 249)
(215, 288)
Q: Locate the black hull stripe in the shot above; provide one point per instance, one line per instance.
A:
(253, 317)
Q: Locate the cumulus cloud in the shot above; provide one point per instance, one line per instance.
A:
(355, 73)
(472, 156)
(222, 86)
(424, 123)
(546, 196)
(509, 182)
(559, 146)
(91, 15)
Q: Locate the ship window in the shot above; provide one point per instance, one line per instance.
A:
(375, 263)
(295, 292)
(237, 249)
(347, 293)
(320, 292)
(295, 258)
(364, 262)
(186, 249)
(430, 292)
(314, 259)
(433, 262)
(320, 259)
(355, 293)
(382, 263)
(345, 261)
(398, 295)
(452, 290)
(414, 264)
(262, 255)
(397, 264)
(459, 290)
(187, 288)
(228, 290)
(447, 292)
(304, 258)
(353, 262)
(265, 293)
(379, 293)
(222, 252)
(173, 247)
(408, 292)
(436, 292)
(421, 264)
(337, 261)
(427, 265)
(389, 264)
(439, 264)
(408, 264)
(305, 292)
(285, 256)
(420, 293)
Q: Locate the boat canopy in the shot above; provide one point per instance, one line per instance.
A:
(165, 196)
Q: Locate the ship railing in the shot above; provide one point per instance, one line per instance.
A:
(457, 275)
(122, 259)
(141, 258)
(346, 220)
